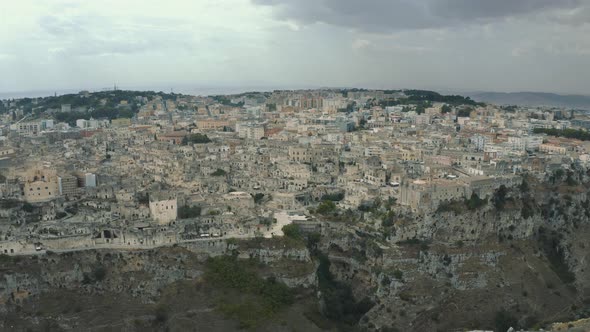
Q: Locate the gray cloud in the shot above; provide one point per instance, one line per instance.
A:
(391, 15)
(99, 36)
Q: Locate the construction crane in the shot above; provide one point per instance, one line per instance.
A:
(19, 121)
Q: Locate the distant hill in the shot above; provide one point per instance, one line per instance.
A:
(533, 99)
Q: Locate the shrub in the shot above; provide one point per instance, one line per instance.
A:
(266, 296)
(336, 197)
(527, 210)
(293, 231)
(500, 197)
(258, 198)
(388, 219)
(504, 321)
(452, 206)
(196, 139)
(161, 314)
(326, 207)
(550, 245)
(27, 207)
(474, 202)
(219, 172)
(340, 304)
(524, 186)
(99, 273)
(186, 212)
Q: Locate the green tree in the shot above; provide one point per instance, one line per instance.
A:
(186, 212)
(219, 172)
(466, 112)
(474, 202)
(293, 231)
(196, 139)
(326, 207)
(500, 197)
(258, 198)
(27, 207)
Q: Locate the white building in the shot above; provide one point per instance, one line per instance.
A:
(479, 141)
(90, 180)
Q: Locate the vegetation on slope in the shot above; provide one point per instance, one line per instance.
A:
(339, 303)
(262, 298)
(583, 135)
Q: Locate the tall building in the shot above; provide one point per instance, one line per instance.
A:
(68, 185)
(86, 180)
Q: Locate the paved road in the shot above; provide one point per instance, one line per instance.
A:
(130, 248)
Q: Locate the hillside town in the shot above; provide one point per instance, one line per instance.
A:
(124, 169)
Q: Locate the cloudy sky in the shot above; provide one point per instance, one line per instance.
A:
(464, 45)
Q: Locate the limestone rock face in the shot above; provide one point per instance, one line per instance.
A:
(443, 270)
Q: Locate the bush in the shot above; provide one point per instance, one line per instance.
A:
(196, 139)
(9, 203)
(229, 272)
(161, 314)
(27, 207)
(582, 135)
(550, 245)
(340, 304)
(99, 273)
(474, 202)
(266, 296)
(258, 198)
(524, 186)
(186, 212)
(143, 198)
(293, 231)
(504, 321)
(500, 197)
(219, 172)
(337, 197)
(326, 207)
(452, 206)
(570, 181)
(527, 210)
(388, 219)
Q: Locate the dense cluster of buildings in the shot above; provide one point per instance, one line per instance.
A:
(187, 168)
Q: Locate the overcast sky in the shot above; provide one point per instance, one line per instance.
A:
(492, 45)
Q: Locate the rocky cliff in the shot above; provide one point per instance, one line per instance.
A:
(518, 257)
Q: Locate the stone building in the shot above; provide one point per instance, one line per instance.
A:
(41, 185)
(163, 209)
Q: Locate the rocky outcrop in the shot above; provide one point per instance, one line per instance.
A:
(449, 270)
